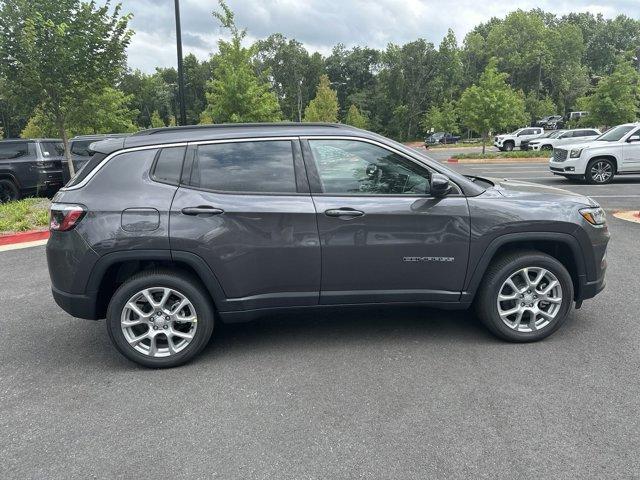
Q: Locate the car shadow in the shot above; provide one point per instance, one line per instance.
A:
(347, 328)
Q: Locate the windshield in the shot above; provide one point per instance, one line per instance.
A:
(52, 149)
(555, 133)
(517, 131)
(615, 134)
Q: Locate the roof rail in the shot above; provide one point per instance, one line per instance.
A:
(152, 131)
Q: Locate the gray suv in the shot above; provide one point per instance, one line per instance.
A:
(168, 231)
(30, 166)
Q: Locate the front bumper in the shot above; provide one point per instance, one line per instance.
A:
(571, 166)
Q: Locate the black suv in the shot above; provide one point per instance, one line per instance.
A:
(169, 230)
(29, 166)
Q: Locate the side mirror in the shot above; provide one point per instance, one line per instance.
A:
(633, 138)
(440, 185)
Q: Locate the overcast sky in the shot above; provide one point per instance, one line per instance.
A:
(320, 24)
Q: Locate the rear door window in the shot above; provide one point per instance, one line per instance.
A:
(250, 167)
(13, 150)
(52, 149)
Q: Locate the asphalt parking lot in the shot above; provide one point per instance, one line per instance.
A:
(388, 393)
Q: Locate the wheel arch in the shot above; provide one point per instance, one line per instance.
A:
(607, 156)
(113, 269)
(10, 176)
(561, 246)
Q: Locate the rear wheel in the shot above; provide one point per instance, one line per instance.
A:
(160, 319)
(525, 296)
(8, 191)
(600, 171)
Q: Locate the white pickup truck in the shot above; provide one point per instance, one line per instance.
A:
(513, 140)
(615, 152)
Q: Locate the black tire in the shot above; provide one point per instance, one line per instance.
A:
(183, 283)
(597, 166)
(508, 146)
(498, 272)
(8, 191)
(546, 147)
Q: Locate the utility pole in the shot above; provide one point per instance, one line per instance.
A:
(183, 113)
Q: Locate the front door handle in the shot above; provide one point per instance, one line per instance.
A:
(204, 210)
(343, 212)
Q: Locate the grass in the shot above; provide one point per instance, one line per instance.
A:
(23, 215)
(460, 144)
(514, 154)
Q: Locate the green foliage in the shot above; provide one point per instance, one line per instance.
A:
(443, 118)
(615, 99)
(156, 120)
(58, 54)
(491, 104)
(324, 107)
(355, 118)
(39, 125)
(539, 107)
(513, 154)
(23, 215)
(236, 93)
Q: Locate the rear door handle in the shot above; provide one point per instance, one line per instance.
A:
(343, 212)
(204, 210)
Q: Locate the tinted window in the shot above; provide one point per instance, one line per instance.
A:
(265, 166)
(9, 150)
(169, 165)
(81, 148)
(351, 167)
(52, 149)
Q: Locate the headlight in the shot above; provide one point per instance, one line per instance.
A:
(595, 215)
(575, 152)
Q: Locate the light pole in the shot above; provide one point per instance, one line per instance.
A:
(183, 113)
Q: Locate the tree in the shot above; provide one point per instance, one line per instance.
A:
(491, 104)
(61, 53)
(539, 107)
(104, 112)
(324, 107)
(615, 99)
(443, 118)
(236, 93)
(355, 118)
(156, 120)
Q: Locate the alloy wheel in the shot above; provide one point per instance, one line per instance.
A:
(158, 322)
(529, 299)
(601, 171)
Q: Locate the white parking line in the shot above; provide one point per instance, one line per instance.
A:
(18, 246)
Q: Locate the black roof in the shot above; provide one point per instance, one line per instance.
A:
(193, 133)
(13, 140)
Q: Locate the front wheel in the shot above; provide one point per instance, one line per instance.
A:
(525, 296)
(160, 319)
(508, 146)
(600, 171)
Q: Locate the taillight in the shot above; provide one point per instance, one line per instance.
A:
(65, 216)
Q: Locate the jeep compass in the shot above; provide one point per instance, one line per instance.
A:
(169, 231)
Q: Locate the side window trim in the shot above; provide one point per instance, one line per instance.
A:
(298, 166)
(314, 177)
(152, 171)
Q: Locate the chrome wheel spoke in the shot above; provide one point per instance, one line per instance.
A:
(149, 318)
(529, 299)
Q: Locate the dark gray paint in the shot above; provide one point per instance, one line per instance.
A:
(271, 251)
(25, 172)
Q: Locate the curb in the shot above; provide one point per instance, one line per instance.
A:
(22, 237)
(629, 216)
(541, 161)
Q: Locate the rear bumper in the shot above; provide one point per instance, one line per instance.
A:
(76, 305)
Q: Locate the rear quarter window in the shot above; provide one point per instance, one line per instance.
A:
(168, 165)
(250, 167)
(13, 150)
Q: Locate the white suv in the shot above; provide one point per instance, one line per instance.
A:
(513, 140)
(563, 137)
(616, 152)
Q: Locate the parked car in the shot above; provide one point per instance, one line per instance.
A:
(513, 140)
(563, 137)
(81, 152)
(440, 137)
(615, 152)
(525, 144)
(574, 116)
(550, 122)
(30, 166)
(274, 217)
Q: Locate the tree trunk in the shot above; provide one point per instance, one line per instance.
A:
(484, 141)
(62, 131)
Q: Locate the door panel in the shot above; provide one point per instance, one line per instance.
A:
(263, 249)
(631, 155)
(401, 249)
